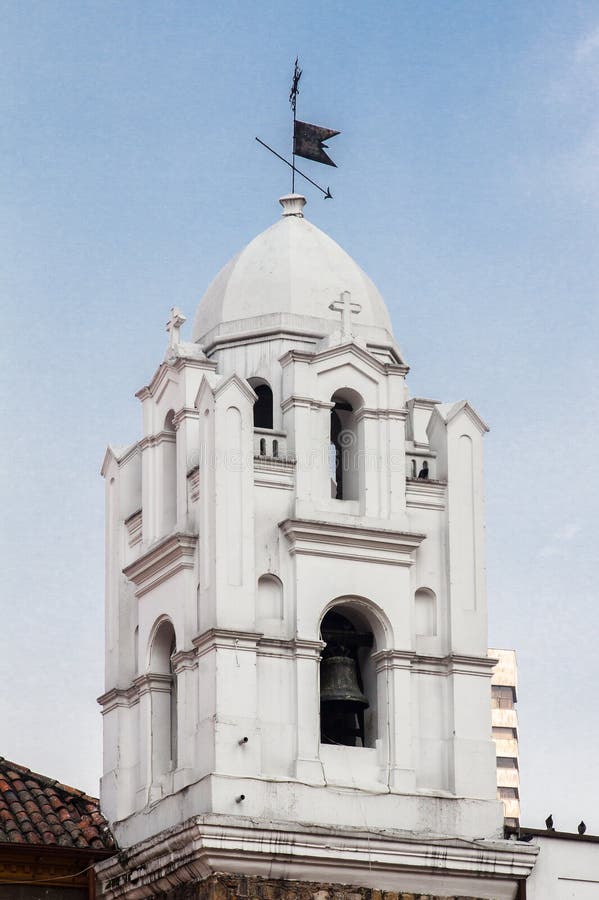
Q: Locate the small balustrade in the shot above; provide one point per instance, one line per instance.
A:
(270, 444)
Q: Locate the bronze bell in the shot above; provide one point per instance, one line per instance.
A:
(339, 684)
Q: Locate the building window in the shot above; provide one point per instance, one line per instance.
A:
(502, 697)
(344, 444)
(263, 406)
(163, 726)
(347, 683)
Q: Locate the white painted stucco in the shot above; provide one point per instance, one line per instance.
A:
(251, 552)
(567, 868)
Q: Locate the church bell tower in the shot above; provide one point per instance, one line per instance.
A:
(297, 680)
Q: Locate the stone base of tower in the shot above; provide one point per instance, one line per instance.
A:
(222, 858)
(242, 887)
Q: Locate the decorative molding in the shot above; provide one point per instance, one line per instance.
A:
(294, 648)
(154, 440)
(152, 682)
(186, 412)
(193, 481)
(118, 697)
(274, 472)
(184, 660)
(425, 493)
(241, 384)
(365, 412)
(159, 562)
(256, 336)
(358, 542)
(120, 455)
(393, 659)
(453, 664)
(226, 639)
(163, 370)
(193, 850)
(133, 524)
(295, 400)
(449, 411)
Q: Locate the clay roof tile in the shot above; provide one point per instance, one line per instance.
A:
(39, 810)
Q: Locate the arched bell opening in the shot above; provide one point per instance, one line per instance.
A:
(345, 445)
(348, 697)
(263, 405)
(163, 679)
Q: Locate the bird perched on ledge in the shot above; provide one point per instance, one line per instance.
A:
(549, 822)
(581, 827)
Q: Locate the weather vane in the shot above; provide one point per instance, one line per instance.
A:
(308, 140)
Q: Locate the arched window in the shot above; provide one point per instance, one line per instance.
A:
(163, 713)
(348, 707)
(263, 405)
(345, 455)
(169, 474)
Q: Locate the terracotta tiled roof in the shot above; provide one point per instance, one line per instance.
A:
(35, 809)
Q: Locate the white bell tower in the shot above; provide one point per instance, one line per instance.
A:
(297, 679)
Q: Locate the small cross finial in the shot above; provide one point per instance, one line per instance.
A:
(176, 319)
(346, 306)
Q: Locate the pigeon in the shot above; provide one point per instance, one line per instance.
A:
(549, 822)
(525, 838)
(581, 827)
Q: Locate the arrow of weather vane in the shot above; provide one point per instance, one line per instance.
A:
(308, 140)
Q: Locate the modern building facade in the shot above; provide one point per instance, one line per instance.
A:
(297, 678)
(504, 721)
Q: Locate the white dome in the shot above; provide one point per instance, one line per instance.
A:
(292, 268)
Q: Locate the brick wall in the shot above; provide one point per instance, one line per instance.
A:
(239, 887)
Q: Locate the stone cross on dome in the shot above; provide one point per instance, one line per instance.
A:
(346, 306)
(173, 326)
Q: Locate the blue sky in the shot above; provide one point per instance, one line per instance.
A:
(467, 187)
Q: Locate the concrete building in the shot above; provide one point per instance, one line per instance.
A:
(297, 677)
(567, 867)
(504, 721)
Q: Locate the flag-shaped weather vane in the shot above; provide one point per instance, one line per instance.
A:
(308, 140)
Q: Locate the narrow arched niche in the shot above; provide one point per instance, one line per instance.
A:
(345, 450)
(425, 612)
(169, 473)
(269, 601)
(348, 688)
(163, 726)
(263, 405)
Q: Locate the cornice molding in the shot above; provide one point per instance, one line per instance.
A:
(425, 493)
(226, 639)
(186, 412)
(366, 412)
(295, 400)
(164, 369)
(292, 648)
(152, 682)
(203, 845)
(170, 555)
(241, 384)
(154, 440)
(377, 545)
(353, 349)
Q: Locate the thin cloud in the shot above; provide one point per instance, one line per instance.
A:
(588, 45)
(559, 541)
